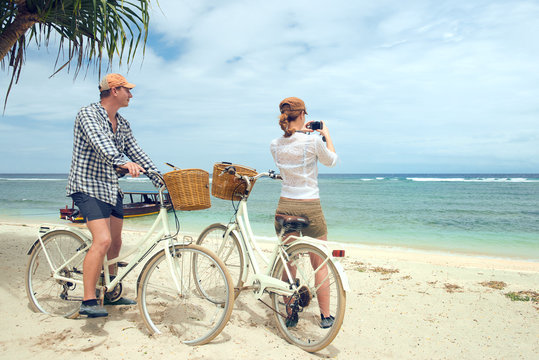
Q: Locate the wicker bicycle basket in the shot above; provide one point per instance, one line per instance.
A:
(226, 186)
(189, 189)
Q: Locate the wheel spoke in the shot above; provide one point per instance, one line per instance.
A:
(199, 310)
(47, 294)
(228, 249)
(319, 291)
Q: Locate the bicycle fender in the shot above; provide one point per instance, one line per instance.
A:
(324, 248)
(47, 229)
(342, 274)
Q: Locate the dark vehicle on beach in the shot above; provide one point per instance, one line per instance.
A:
(136, 203)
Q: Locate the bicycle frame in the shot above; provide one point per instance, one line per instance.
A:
(241, 228)
(159, 232)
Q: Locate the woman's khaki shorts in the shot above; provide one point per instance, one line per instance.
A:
(311, 209)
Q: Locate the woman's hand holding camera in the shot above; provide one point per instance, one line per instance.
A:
(315, 125)
(319, 126)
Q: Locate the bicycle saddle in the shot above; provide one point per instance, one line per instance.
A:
(291, 220)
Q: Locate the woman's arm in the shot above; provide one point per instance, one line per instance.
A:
(325, 133)
(326, 152)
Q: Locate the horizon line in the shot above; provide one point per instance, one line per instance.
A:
(324, 173)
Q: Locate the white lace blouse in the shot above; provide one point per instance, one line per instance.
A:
(297, 157)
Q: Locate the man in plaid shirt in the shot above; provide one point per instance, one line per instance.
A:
(102, 141)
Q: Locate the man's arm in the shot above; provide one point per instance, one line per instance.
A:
(138, 156)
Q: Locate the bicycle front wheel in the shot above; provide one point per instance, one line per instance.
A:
(170, 300)
(228, 250)
(47, 294)
(320, 291)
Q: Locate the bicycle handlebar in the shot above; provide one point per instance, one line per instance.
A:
(157, 173)
(148, 172)
(124, 171)
(121, 171)
(271, 174)
(249, 180)
(232, 171)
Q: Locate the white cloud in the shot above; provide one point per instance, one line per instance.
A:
(416, 86)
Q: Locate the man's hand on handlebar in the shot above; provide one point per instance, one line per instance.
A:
(131, 168)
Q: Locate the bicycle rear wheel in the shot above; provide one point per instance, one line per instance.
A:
(183, 310)
(46, 294)
(313, 295)
(228, 250)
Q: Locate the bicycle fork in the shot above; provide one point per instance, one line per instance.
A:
(175, 262)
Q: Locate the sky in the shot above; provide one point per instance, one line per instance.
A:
(403, 86)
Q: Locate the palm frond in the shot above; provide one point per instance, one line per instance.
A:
(87, 32)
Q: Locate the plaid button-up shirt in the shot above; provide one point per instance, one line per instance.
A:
(97, 150)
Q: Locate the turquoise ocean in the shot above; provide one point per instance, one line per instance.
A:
(493, 215)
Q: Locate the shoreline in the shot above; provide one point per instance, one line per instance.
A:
(374, 174)
(410, 253)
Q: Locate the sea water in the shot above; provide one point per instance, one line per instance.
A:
(493, 215)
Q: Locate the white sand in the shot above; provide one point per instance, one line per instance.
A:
(432, 306)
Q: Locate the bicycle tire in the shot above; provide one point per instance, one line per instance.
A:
(188, 315)
(47, 295)
(308, 334)
(231, 253)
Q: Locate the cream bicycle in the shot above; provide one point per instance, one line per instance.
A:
(167, 295)
(302, 276)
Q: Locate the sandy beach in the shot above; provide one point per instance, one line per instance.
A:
(402, 305)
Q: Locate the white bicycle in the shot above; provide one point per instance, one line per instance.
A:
(301, 278)
(192, 303)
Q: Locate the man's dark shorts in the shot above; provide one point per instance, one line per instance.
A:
(93, 209)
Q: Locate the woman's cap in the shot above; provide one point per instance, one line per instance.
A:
(294, 104)
(111, 81)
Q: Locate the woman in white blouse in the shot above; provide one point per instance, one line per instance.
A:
(297, 154)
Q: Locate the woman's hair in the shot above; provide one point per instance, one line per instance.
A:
(290, 108)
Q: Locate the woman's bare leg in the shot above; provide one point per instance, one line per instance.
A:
(321, 278)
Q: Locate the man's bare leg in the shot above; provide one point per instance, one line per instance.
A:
(93, 262)
(116, 225)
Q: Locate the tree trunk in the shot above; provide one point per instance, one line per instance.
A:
(23, 21)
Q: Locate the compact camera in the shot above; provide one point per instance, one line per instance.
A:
(316, 125)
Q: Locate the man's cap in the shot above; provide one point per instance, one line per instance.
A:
(111, 81)
(294, 104)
